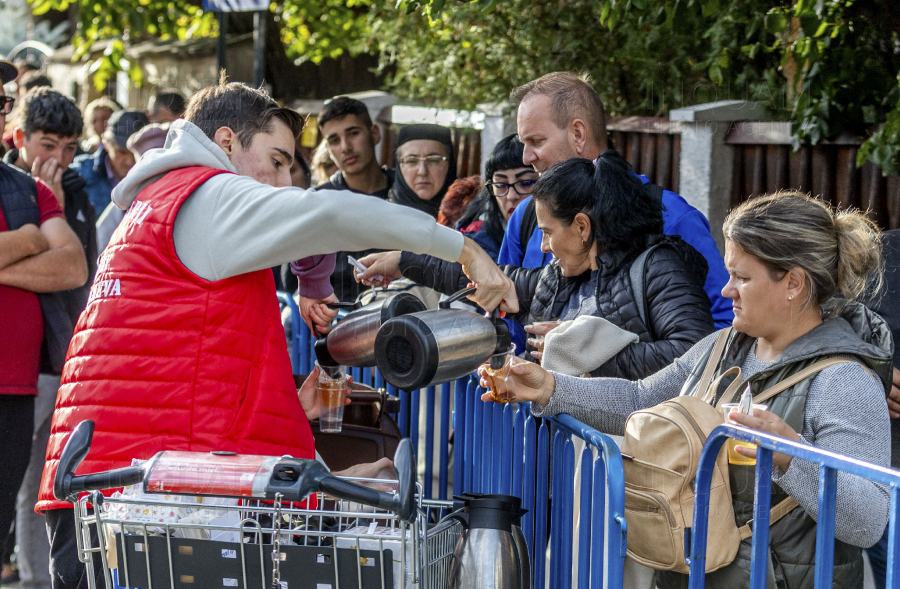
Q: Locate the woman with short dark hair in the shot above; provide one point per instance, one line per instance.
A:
(509, 181)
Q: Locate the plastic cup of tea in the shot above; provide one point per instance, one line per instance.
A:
(498, 369)
(330, 387)
(733, 456)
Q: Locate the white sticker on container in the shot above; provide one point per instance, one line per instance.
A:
(283, 584)
(138, 547)
(226, 582)
(229, 553)
(323, 586)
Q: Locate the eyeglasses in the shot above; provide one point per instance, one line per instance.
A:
(6, 104)
(431, 161)
(522, 187)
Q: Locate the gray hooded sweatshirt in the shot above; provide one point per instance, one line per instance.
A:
(233, 224)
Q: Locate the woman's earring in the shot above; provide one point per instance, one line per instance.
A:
(583, 243)
(791, 297)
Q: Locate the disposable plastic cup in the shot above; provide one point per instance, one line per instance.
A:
(733, 456)
(330, 387)
(498, 369)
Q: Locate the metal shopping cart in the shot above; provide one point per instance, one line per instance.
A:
(197, 520)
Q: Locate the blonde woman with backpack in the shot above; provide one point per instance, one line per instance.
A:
(796, 271)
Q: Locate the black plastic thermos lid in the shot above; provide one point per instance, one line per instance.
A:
(495, 512)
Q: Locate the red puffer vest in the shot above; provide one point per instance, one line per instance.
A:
(165, 360)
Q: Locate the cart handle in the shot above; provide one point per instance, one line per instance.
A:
(313, 477)
(402, 503)
(67, 486)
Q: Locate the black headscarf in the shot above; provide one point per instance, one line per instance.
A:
(401, 193)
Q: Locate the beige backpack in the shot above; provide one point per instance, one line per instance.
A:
(660, 453)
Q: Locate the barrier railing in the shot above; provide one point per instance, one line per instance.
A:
(829, 465)
(504, 449)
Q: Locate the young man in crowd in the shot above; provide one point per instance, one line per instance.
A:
(351, 137)
(561, 117)
(40, 256)
(105, 168)
(46, 138)
(181, 346)
(165, 107)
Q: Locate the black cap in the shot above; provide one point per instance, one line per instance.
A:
(123, 124)
(8, 72)
(425, 131)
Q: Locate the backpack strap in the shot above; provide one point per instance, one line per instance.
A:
(528, 224)
(776, 513)
(638, 275)
(711, 364)
(802, 375)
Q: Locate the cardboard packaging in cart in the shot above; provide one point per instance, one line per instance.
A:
(378, 538)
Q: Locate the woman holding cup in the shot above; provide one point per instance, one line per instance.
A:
(796, 269)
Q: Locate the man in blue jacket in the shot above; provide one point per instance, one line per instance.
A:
(561, 117)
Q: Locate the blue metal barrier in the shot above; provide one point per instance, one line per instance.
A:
(503, 449)
(829, 464)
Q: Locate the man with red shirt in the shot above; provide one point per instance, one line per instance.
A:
(39, 253)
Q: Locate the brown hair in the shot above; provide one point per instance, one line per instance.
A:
(571, 97)
(458, 197)
(839, 251)
(245, 110)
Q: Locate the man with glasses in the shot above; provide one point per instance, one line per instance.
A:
(39, 255)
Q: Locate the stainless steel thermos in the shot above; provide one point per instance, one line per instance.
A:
(491, 552)
(421, 349)
(352, 341)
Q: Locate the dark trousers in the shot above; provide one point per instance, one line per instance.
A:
(16, 425)
(66, 572)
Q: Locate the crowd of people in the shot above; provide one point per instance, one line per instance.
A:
(140, 252)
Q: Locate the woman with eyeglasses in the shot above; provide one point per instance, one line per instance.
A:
(509, 181)
(597, 220)
(425, 169)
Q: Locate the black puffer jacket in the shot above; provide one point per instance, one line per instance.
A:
(677, 305)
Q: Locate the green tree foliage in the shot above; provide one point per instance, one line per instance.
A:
(831, 66)
(670, 55)
(311, 30)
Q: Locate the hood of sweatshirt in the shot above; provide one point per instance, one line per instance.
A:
(186, 145)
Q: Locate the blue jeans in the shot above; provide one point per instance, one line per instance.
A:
(878, 560)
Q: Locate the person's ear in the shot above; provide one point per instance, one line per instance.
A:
(578, 136)
(18, 137)
(376, 134)
(796, 284)
(227, 139)
(583, 225)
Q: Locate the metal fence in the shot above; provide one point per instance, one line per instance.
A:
(829, 464)
(505, 449)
